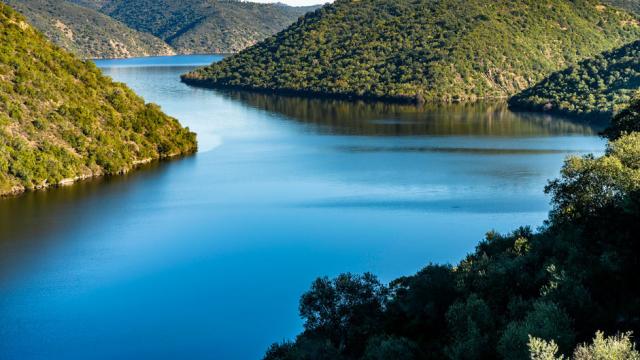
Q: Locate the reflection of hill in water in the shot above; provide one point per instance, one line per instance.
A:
(365, 118)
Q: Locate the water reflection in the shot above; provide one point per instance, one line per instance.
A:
(454, 150)
(375, 118)
(29, 221)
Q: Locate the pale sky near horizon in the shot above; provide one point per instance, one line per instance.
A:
(295, 2)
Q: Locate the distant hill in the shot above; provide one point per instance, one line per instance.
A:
(86, 32)
(61, 120)
(414, 50)
(599, 86)
(204, 26)
(630, 5)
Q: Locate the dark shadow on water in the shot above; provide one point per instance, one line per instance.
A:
(29, 220)
(382, 119)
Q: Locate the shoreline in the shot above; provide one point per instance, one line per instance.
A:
(208, 84)
(400, 100)
(18, 190)
(589, 118)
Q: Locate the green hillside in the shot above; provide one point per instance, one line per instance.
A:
(204, 26)
(62, 120)
(410, 50)
(86, 32)
(598, 86)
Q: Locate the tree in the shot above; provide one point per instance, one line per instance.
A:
(619, 347)
(346, 310)
(470, 325)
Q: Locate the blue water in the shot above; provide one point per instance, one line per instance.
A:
(179, 60)
(206, 257)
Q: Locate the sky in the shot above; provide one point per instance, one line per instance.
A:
(295, 2)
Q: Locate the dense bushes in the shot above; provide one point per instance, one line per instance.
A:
(414, 50)
(61, 119)
(599, 86)
(618, 347)
(626, 121)
(526, 294)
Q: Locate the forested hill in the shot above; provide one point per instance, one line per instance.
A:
(421, 49)
(598, 86)
(86, 32)
(62, 120)
(204, 26)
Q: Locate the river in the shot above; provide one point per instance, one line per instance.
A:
(205, 257)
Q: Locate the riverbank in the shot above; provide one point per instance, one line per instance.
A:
(17, 190)
(205, 83)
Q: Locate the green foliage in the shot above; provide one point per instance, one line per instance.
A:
(283, 351)
(517, 296)
(546, 320)
(346, 310)
(599, 86)
(86, 32)
(469, 323)
(199, 27)
(590, 184)
(415, 50)
(619, 347)
(625, 122)
(543, 350)
(61, 119)
(390, 347)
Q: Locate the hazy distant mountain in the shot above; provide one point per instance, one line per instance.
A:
(204, 26)
(86, 32)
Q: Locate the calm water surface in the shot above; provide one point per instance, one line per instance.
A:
(206, 257)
